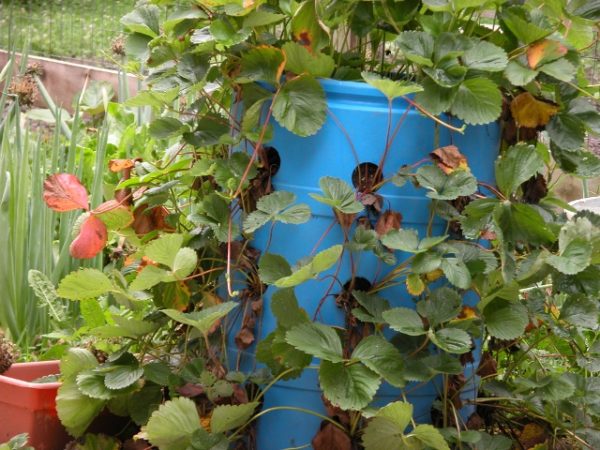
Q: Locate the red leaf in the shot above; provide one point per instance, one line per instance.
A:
(64, 192)
(331, 437)
(544, 52)
(91, 238)
(117, 165)
(150, 220)
(449, 158)
(388, 221)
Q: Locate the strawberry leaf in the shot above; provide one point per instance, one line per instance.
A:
(91, 238)
(64, 192)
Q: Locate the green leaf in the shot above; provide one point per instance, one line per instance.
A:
(554, 387)
(115, 218)
(566, 131)
(281, 356)
(349, 387)
(485, 56)
(580, 311)
(390, 88)
(154, 98)
(276, 207)
(285, 308)
(300, 106)
(84, 283)
(261, 64)
(386, 429)
(405, 321)
(587, 113)
(407, 240)
(76, 411)
(574, 258)
(452, 340)
(478, 101)
(448, 74)
(92, 313)
(148, 277)
(446, 187)
(273, 267)
(211, 129)
(214, 213)
(457, 272)
(372, 309)
(518, 74)
(561, 69)
(426, 262)
(518, 22)
(339, 195)
(522, 223)
(588, 9)
(582, 163)
(75, 361)
(430, 436)
(489, 442)
(203, 440)
(167, 127)
(517, 165)
(121, 376)
(125, 327)
(381, 357)
(260, 18)
(417, 46)
(44, 290)
(92, 385)
(504, 319)
(204, 319)
(317, 340)
(164, 249)
(306, 27)
(171, 427)
(229, 417)
(363, 240)
(144, 402)
(185, 262)
(435, 98)
(144, 20)
(226, 31)
(251, 121)
(299, 61)
(310, 269)
(442, 305)
(157, 372)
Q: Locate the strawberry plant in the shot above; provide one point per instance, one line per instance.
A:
(198, 209)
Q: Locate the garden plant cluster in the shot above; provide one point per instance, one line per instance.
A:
(177, 308)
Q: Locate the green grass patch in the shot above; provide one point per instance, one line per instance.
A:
(80, 29)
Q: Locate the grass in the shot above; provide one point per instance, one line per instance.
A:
(78, 29)
(34, 236)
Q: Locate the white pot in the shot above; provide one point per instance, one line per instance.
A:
(591, 204)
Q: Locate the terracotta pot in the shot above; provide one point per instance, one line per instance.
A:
(27, 407)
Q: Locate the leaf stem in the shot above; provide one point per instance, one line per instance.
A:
(287, 408)
(460, 130)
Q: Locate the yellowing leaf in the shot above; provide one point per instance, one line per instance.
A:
(414, 284)
(449, 159)
(532, 435)
(467, 313)
(530, 112)
(434, 275)
(307, 29)
(544, 51)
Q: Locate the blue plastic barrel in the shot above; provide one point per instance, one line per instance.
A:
(357, 118)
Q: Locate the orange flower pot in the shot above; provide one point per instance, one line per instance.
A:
(27, 407)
